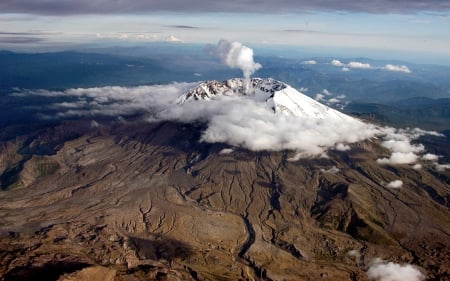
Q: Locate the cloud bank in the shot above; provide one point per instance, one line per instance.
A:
(381, 270)
(244, 121)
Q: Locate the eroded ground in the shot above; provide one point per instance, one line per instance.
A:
(149, 202)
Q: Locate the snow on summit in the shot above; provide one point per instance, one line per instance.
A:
(267, 115)
(282, 98)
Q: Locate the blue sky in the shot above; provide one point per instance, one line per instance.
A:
(418, 27)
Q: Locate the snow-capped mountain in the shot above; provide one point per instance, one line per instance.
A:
(282, 98)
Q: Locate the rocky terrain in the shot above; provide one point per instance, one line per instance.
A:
(148, 201)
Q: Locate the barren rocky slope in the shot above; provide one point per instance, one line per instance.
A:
(143, 201)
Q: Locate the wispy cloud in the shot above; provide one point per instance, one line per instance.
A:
(361, 65)
(331, 99)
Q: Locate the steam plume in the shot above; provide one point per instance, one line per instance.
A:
(236, 55)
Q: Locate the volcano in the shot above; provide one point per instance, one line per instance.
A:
(139, 200)
(280, 97)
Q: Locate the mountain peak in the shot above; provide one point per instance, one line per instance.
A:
(279, 96)
(235, 86)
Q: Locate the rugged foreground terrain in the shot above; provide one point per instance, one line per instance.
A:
(147, 201)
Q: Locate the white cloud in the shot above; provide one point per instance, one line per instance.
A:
(319, 97)
(417, 132)
(326, 92)
(417, 167)
(352, 64)
(399, 142)
(306, 155)
(342, 147)
(226, 151)
(303, 90)
(381, 270)
(311, 62)
(355, 64)
(113, 101)
(402, 145)
(398, 68)
(241, 121)
(399, 158)
(336, 62)
(296, 157)
(173, 38)
(442, 167)
(430, 157)
(236, 120)
(395, 184)
(361, 65)
(334, 100)
(245, 123)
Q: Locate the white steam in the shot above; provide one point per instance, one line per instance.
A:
(236, 55)
(381, 270)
